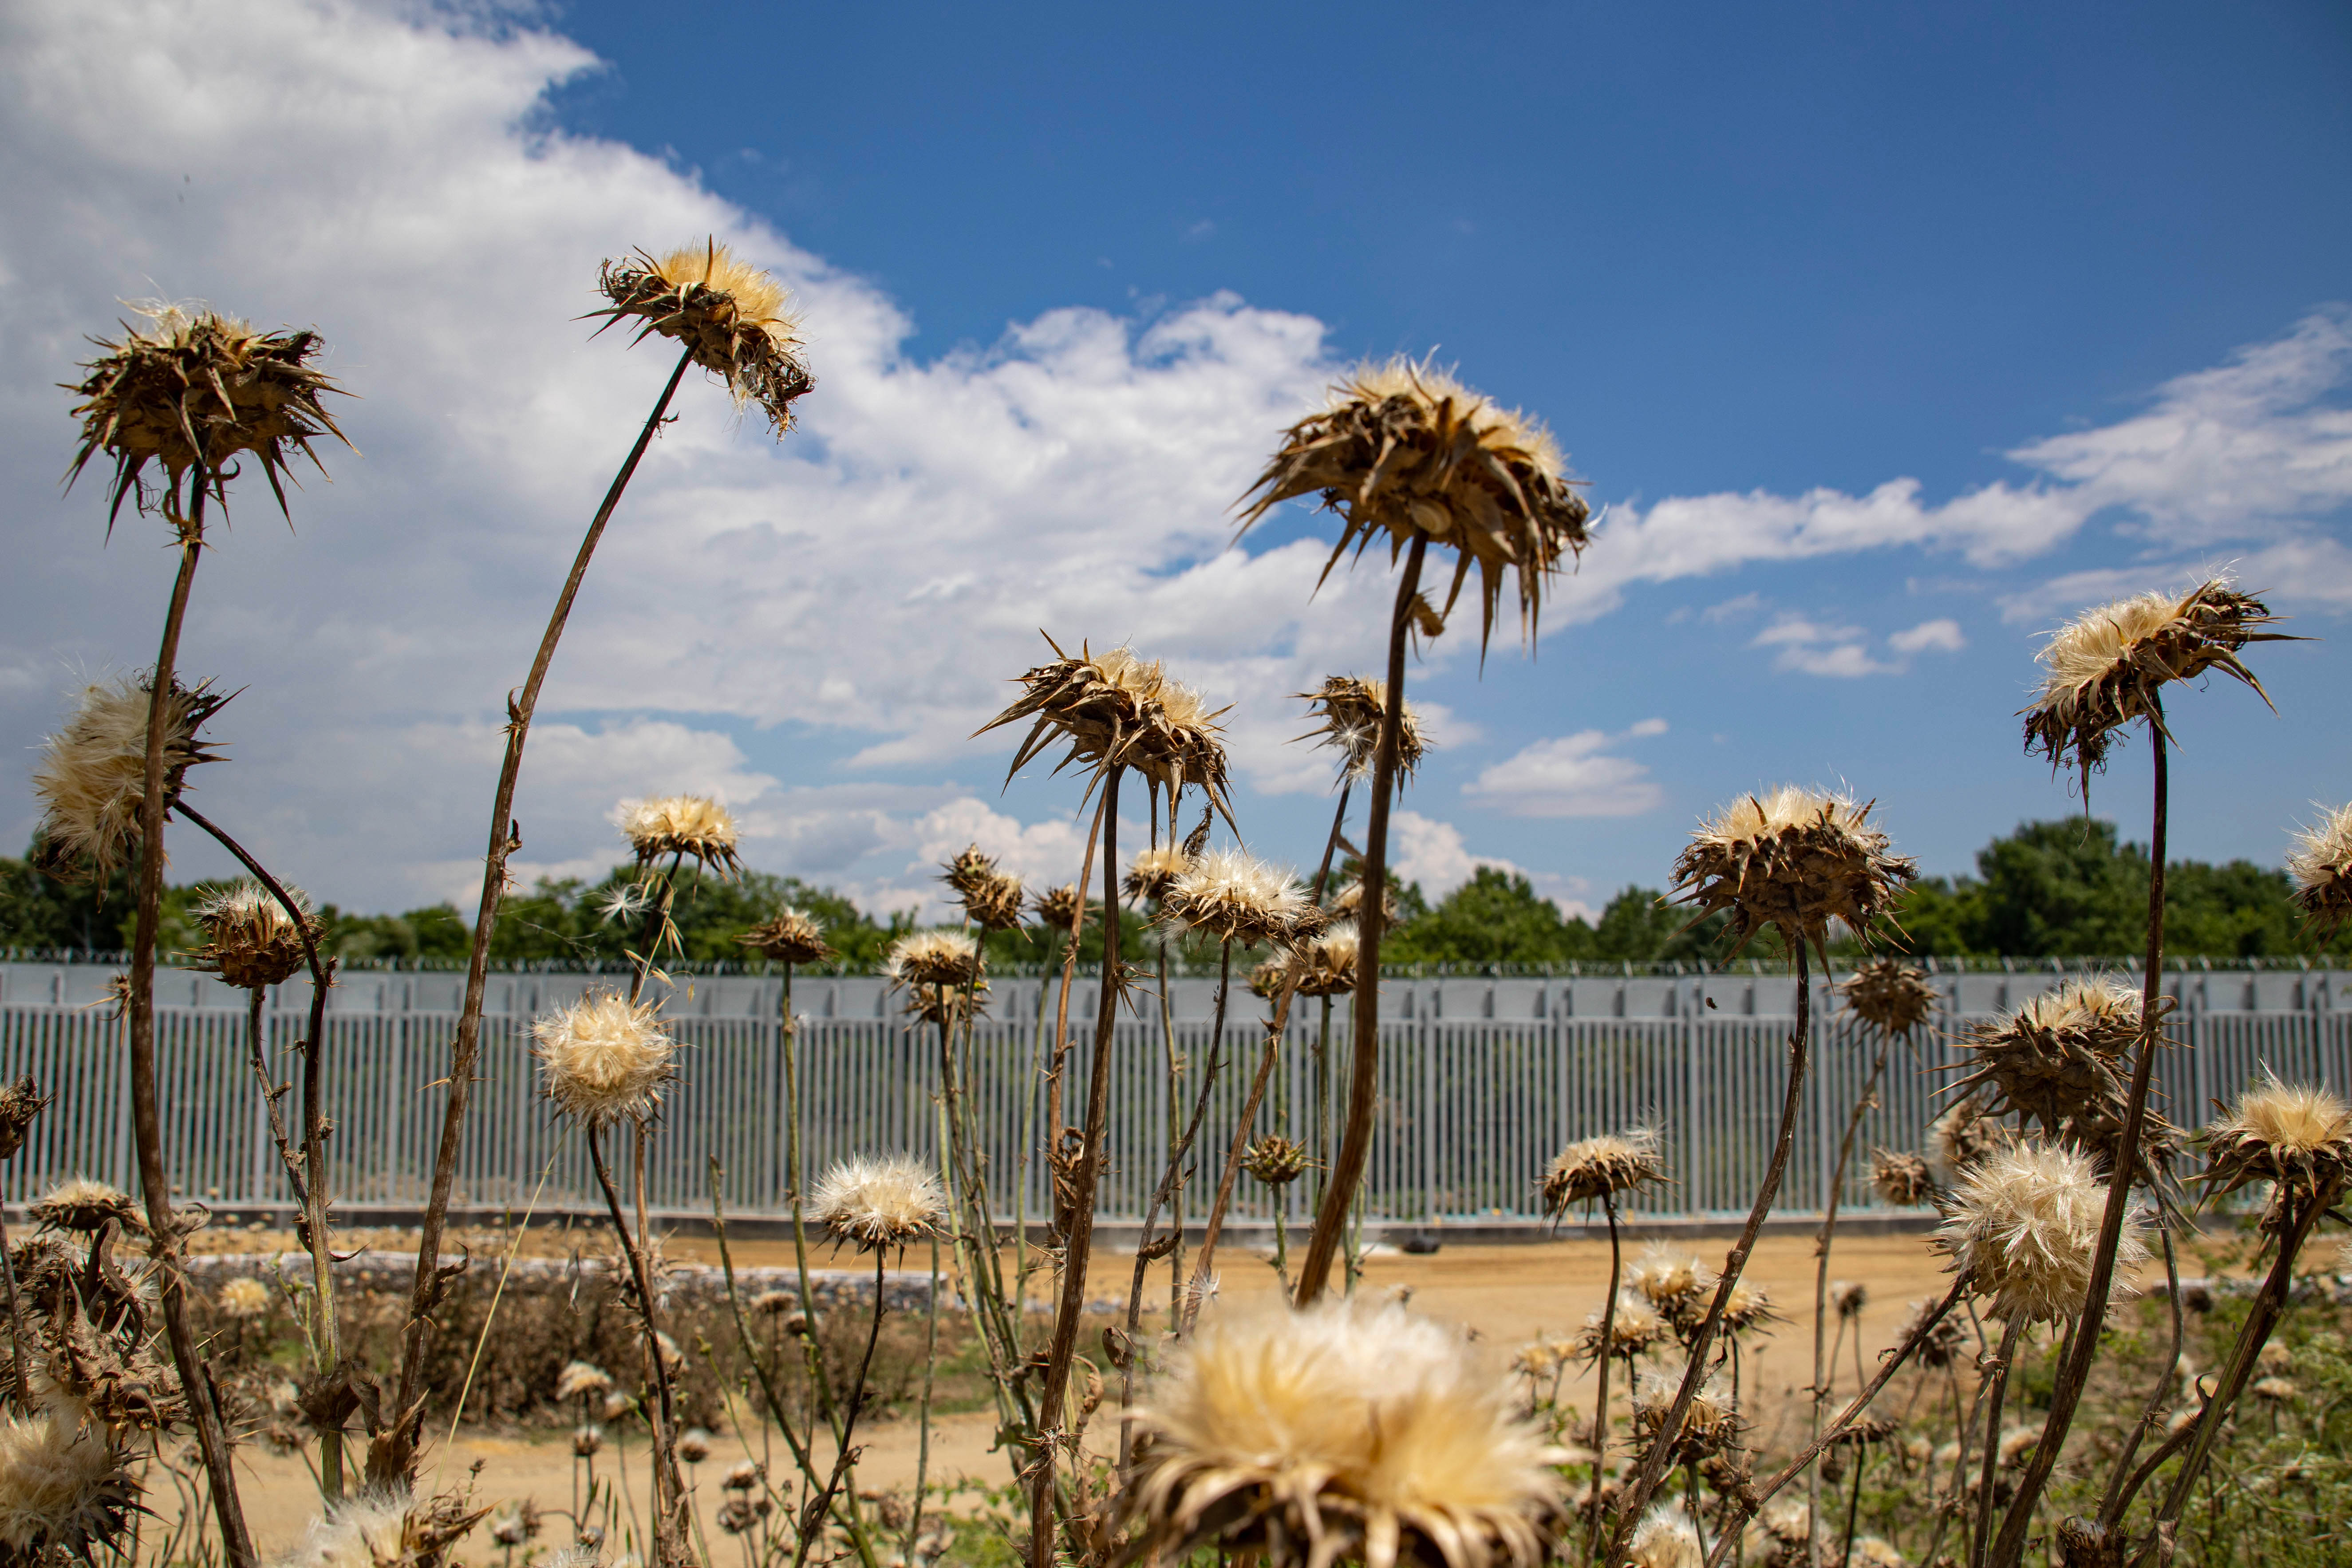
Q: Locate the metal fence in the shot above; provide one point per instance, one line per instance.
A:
(1471, 1109)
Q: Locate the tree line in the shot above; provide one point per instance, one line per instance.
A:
(2062, 889)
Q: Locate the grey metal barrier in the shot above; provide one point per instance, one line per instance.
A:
(1471, 1108)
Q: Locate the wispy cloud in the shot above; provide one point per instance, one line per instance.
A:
(1571, 775)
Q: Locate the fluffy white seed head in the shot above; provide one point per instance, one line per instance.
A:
(879, 1203)
(2023, 1228)
(604, 1058)
(1236, 896)
(64, 1489)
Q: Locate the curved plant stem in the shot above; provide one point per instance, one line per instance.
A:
(392, 1457)
(146, 1121)
(2074, 1368)
(1071, 1304)
(812, 1516)
(1821, 1243)
(1653, 1463)
(1608, 1349)
(1198, 1291)
(1371, 915)
(2111, 1510)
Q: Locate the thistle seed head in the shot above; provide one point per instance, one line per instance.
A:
(1352, 710)
(83, 1205)
(1849, 1296)
(1266, 978)
(1057, 908)
(604, 1058)
(2022, 1226)
(1676, 1284)
(1236, 896)
(1347, 903)
(1337, 1431)
(1891, 997)
(189, 389)
(1153, 871)
(65, 1492)
(1937, 1346)
(1275, 1160)
(243, 1299)
(1327, 963)
(873, 1203)
(1710, 1424)
(2321, 866)
(791, 937)
(1795, 860)
(734, 318)
(21, 1102)
(92, 774)
(580, 1379)
(1748, 1307)
(1116, 710)
(2109, 665)
(1603, 1165)
(946, 958)
(1634, 1327)
(1402, 449)
(251, 943)
(1900, 1180)
(1960, 1136)
(693, 826)
(2295, 1136)
(1667, 1537)
(387, 1530)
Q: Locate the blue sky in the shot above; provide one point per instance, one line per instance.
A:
(1889, 336)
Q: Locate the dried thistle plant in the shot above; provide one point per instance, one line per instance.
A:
(21, 1102)
(943, 973)
(1333, 1432)
(2321, 866)
(92, 774)
(1237, 898)
(602, 1058)
(379, 1529)
(1710, 1424)
(1901, 1180)
(1602, 1166)
(876, 1204)
(67, 1492)
(1402, 450)
(1961, 1135)
(1327, 962)
(1057, 908)
(250, 941)
(193, 391)
(1348, 902)
(992, 899)
(83, 1205)
(684, 826)
(732, 319)
(1116, 710)
(1890, 995)
(1627, 1326)
(1795, 860)
(1152, 872)
(2297, 1137)
(2021, 1226)
(1350, 707)
(1275, 1159)
(2108, 666)
(2061, 1058)
(791, 936)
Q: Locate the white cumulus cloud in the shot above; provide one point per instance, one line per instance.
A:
(1571, 775)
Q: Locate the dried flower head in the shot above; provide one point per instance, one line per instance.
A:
(1938, 1345)
(1677, 1284)
(1667, 1537)
(2109, 665)
(879, 1203)
(197, 389)
(1795, 860)
(2023, 1225)
(1153, 871)
(1267, 978)
(83, 1204)
(1116, 710)
(742, 1475)
(933, 958)
(1875, 1552)
(947, 1006)
(1337, 1431)
(65, 1492)
(250, 941)
(1275, 1160)
(1960, 1136)
(1890, 995)
(1350, 899)
(1402, 449)
(579, 1379)
(1849, 1296)
(731, 317)
(2300, 1138)
(2059, 1055)
(604, 1058)
(1327, 964)
(1747, 1307)
(587, 1441)
(791, 937)
(991, 898)
(1057, 908)
(243, 1299)
(1602, 1166)
(21, 1102)
(92, 774)
(1634, 1328)
(1236, 896)
(385, 1530)
(692, 826)
(1901, 1181)
(2321, 866)
(1781, 1536)
(694, 1444)
(1352, 710)
(1710, 1424)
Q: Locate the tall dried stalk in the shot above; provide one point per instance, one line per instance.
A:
(670, 1543)
(1371, 916)
(392, 1456)
(1079, 1239)
(1823, 1374)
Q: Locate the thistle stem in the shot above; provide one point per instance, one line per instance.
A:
(392, 1458)
(669, 1495)
(2008, 1355)
(2074, 1368)
(1080, 1242)
(1364, 1086)
(923, 1415)
(1608, 1349)
(1821, 1243)
(813, 1517)
(1653, 1463)
(212, 1435)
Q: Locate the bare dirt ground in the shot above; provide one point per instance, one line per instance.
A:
(1508, 1295)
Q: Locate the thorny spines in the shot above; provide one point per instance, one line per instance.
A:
(732, 318)
(1402, 450)
(1057, 908)
(944, 973)
(250, 941)
(192, 390)
(2109, 664)
(2297, 1137)
(2061, 1058)
(1116, 710)
(1890, 995)
(1353, 709)
(693, 826)
(790, 936)
(92, 774)
(1275, 1159)
(602, 1058)
(992, 899)
(878, 1203)
(86, 1206)
(2321, 866)
(387, 1529)
(2022, 1225)
(1237, 898)
(1602, 1166)
(1901, 1180)
(21, 1103)
(1795, 860)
